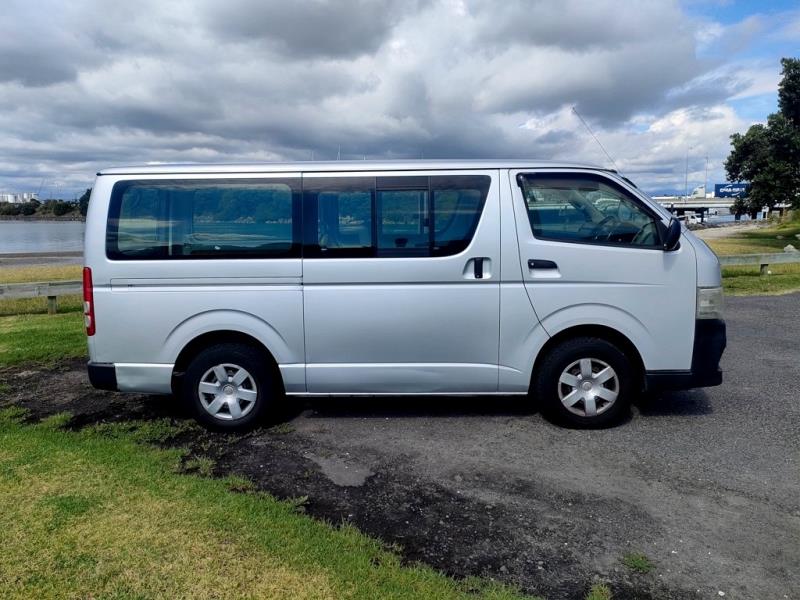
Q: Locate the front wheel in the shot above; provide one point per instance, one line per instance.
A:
(585, 382)
(228, 387)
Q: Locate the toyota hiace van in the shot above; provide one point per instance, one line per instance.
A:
(231, 286)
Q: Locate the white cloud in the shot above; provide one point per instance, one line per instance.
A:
(106, 84)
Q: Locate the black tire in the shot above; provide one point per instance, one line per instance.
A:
(259, 381)
(547, 387)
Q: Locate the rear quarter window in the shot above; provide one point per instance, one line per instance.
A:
(206, 219)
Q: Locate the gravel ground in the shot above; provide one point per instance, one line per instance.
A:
(705, 483)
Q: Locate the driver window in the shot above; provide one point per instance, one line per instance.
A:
(585, 209)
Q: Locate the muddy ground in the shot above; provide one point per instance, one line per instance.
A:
(705, 483)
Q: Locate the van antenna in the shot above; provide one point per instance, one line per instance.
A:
(575, 110)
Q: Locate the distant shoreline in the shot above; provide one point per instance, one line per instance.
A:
(65, 254)
(52, 218)
(37, 259)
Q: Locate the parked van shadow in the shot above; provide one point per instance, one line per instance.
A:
(687, 403)
(420, 406)
(694, 402)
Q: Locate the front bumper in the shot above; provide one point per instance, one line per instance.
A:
(710, 340)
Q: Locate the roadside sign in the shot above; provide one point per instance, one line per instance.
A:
(731, 190)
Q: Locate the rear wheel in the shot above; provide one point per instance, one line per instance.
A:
(228, 386)
(585, 382)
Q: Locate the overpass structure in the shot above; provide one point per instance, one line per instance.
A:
(681, 204)
(697, 204)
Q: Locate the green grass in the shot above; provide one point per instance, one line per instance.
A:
(281, 429)
(747, 281)
(38, 306)
(40, 273)
(94, 514)
(41, 338)
(599, 591)
(202, 465)
(758, 241)
(29, 306)
(638, 562)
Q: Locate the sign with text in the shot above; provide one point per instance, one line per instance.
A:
(731, 190)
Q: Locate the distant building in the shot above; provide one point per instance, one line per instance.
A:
(18, 198)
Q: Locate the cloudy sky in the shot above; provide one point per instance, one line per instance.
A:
(90, 83)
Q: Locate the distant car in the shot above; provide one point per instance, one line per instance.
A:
(232, 285)
(689, 218)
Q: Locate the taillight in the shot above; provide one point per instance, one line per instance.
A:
(88, 301)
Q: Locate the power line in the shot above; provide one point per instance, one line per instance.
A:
(575, 110)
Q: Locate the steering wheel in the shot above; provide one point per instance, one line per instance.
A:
(645, 236)
(604, 224)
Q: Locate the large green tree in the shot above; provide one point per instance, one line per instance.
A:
(83, 202)
(768, 156)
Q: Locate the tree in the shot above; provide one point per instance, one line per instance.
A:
(10, 209)
(768, 156)
(61, 208)
(789, 90)
(83, 202)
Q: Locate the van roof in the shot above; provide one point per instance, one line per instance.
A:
(339, 166)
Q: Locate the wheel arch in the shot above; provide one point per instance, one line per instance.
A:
(214, 338)
(599, 331)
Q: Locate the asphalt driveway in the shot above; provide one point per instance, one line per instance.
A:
(706, 483)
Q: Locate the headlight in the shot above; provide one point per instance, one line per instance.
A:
(709, 303)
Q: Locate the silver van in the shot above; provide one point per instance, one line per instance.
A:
(233, 285)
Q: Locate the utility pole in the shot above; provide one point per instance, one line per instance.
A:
(705, 181)
(686, 181)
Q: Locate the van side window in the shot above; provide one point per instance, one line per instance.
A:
(586, 208)
(191, 219)
(404, 209)
(457, 206)
(392, 216)
(141, 223)
(343, 209)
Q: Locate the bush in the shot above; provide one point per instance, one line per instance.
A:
(10, 209)
(61, 208)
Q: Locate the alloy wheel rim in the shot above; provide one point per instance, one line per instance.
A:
(227, 392)
(588, 387)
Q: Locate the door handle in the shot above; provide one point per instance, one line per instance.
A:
(479, 267)
(537, 263)
(478, 264)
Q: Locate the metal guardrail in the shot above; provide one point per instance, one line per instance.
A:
(48, 289)
(53, 289)
(762, 260)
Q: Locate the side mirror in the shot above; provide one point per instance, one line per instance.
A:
(672, 235)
